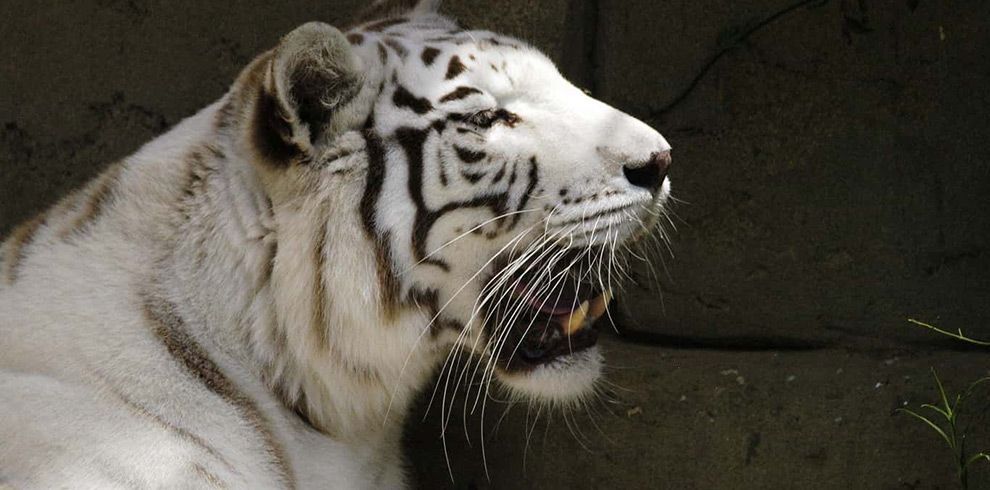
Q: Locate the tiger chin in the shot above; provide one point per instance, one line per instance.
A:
(255, 298)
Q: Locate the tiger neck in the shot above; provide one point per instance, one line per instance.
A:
(292, 280)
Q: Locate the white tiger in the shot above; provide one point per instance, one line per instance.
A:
(255, 298)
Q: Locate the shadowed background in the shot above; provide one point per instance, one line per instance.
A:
(833, 164)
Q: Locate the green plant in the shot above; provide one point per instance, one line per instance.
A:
(947, 426)
(945, 419)
(957, 335)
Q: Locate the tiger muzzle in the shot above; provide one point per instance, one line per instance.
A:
(546, 313)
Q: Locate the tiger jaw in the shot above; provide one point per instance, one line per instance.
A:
(541, 311)
(542, 334)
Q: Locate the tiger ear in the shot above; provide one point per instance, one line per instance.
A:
(387, 9)
(312, 74)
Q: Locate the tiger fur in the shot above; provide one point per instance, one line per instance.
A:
(255, 298)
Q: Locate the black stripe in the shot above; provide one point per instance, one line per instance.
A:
(413, 141)
(534, 176)
(472, 177)
(499, 175)
(382, 53)
(375, 178)
(429, 299)
(396, 46)
(429, 55)
(403, 99)
(469, 156)
(454, 67)
(459, 93)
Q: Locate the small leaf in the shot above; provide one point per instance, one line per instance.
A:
(937, 409)
(930, 424)
(941, 392)
(976, 457)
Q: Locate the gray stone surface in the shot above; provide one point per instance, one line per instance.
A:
(834, 168)
(834, 163)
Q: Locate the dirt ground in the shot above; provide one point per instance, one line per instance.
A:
(706, 419)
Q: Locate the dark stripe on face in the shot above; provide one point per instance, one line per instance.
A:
(374, 179)
(413, 141)
(472, 177)
(459, 93)
(534, 177)
(18, 243)
(443, 175)
(397, 47)
(424, 298)
(469, 156)
(499, 175)
(455, 67)
(403, 99)
(170, 329)
(355, 38)
(429, 299)
(429, 55)
(100, 197)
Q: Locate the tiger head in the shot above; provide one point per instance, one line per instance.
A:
(497, 198)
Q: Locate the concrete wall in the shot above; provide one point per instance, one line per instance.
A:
(833, 164)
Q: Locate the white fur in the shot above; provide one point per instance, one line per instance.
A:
(75, 342)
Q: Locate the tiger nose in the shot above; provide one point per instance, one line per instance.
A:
(650, 174)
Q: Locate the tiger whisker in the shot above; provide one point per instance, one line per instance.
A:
(462, 235)
(434, 319)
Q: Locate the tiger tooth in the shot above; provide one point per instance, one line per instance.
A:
(576, 320)
(599, 305)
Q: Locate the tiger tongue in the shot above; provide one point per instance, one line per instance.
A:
(588, 311)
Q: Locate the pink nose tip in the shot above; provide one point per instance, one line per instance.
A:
(650, 174)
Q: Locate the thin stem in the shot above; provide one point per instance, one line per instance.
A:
(957, 335)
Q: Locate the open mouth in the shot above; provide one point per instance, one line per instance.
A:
(548, 311)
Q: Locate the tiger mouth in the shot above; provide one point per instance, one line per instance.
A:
(549, 314)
